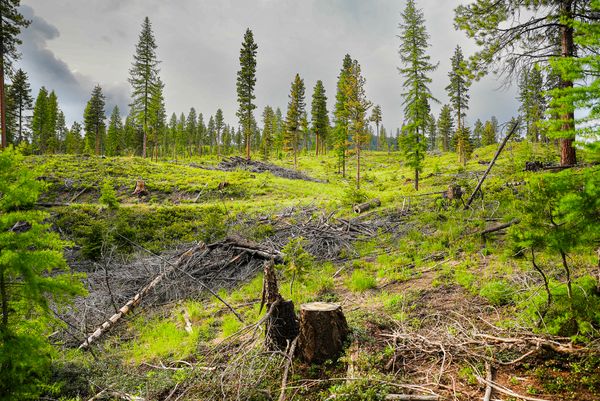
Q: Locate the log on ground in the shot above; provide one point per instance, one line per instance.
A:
(363, 207)
(323, 331)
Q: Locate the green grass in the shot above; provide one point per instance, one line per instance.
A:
(361, 281)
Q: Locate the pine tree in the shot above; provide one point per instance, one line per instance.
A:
(431, 131)
(246, 80)
(477, 133)
(227, 139)
(376, 118)
(356, 105)
(22, 102)
(191, 129)
(219, 125)
(463, 144)
(93, 120)
(32, 271)
(114, 136)
(130, 134)
(11, 23)
(173, 137)
(458, 89)
(201, 137)
(61, 130)
(279, 132)
(144, 79)
(319, 117)
(39, 121)
(211, 133)
(445, 126)
(51, 135)
(341, 116)
(73, 140)
(268, 135)
(545, 31)
(489, 134)
(294, 115)
(533, 102)
(415, 67)
(157, 116)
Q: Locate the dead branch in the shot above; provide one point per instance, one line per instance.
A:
(412, 397)
(483, 177)
(499, 227)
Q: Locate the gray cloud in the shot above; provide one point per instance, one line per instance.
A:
(199, 42)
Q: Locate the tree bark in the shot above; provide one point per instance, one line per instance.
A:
(568, 155)
(3, 143)
(323, 331)
(363, 207)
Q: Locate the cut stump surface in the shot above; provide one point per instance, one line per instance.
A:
(323, 331)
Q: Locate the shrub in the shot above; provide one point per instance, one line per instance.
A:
(108, 196)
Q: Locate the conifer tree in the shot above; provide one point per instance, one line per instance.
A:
(32, 270)
(114, 136)
(268, 135)
(376, 118)
(51, 135)
(489, 134)
(73, 140)
(144, 79)
(181, 135)
(431, 131)
(219, 126)
(191, 129)
(445, 126)
(11, 23)
(22, 102)
(356, 105)
(341, 116)
(544, 31)
(157, 116)
(279, 132)
(294, 116)
(246, 80)
(39, 121)
(211, 134)
(227, 138)
(463, 144)
(415, 68)
(93, 120)
(173, 139)
(130, 134)
(533, 102)
(201, 134)
(319, 117)
(61, 131)
(458, 89)
(477, 133)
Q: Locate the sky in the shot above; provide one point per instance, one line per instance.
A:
(72, 45)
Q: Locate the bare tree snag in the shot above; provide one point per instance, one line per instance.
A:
(282, 323)
(363, 207)
(323, 330)
(140, 188)
(483, 177)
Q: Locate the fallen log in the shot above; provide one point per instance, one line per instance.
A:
(499, 228)
(363, 207)
(412, 397)
(483, 177)
(137, 298)
(323, 331)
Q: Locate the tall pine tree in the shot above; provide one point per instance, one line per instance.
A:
(144, 79)
(114, 136)
(415, 69)
(22, 102)
(294, 116)
(319, 117)
(246, 80)
(93, 121)
(341, 116)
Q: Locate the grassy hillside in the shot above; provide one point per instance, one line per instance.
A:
(423, 291)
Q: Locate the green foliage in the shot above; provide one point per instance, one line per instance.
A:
(359, 390)
(246, 80)
(295, 112)
(353, 195)
(361, 281)
(93, 119)
(297, 260)
(230, 325)
(31, 263)
(319, 116)
(498, 293)
(108, 195)
(160, 338)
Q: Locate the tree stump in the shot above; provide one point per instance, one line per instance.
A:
(140, 188)
(363, 207)
(282, 323)
(323, 330)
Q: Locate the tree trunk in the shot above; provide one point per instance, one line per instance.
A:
(567, 151)
(3, 143)
(363, 207)
(323, 331)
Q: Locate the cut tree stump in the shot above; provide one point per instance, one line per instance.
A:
(140, 188)
(363, 207)
(323, 331)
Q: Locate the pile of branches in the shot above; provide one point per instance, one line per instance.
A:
(448, 341)
(327, 237)
(255, 166)
(117, 286)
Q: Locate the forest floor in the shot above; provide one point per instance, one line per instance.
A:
(434, 308)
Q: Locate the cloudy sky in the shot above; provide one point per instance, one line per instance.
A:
(72, 45)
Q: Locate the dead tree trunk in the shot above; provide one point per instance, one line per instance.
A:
(282, 324)
(140, 188)
(363, 207)
(323, 330)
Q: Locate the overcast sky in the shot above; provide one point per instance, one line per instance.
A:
(72, 45)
